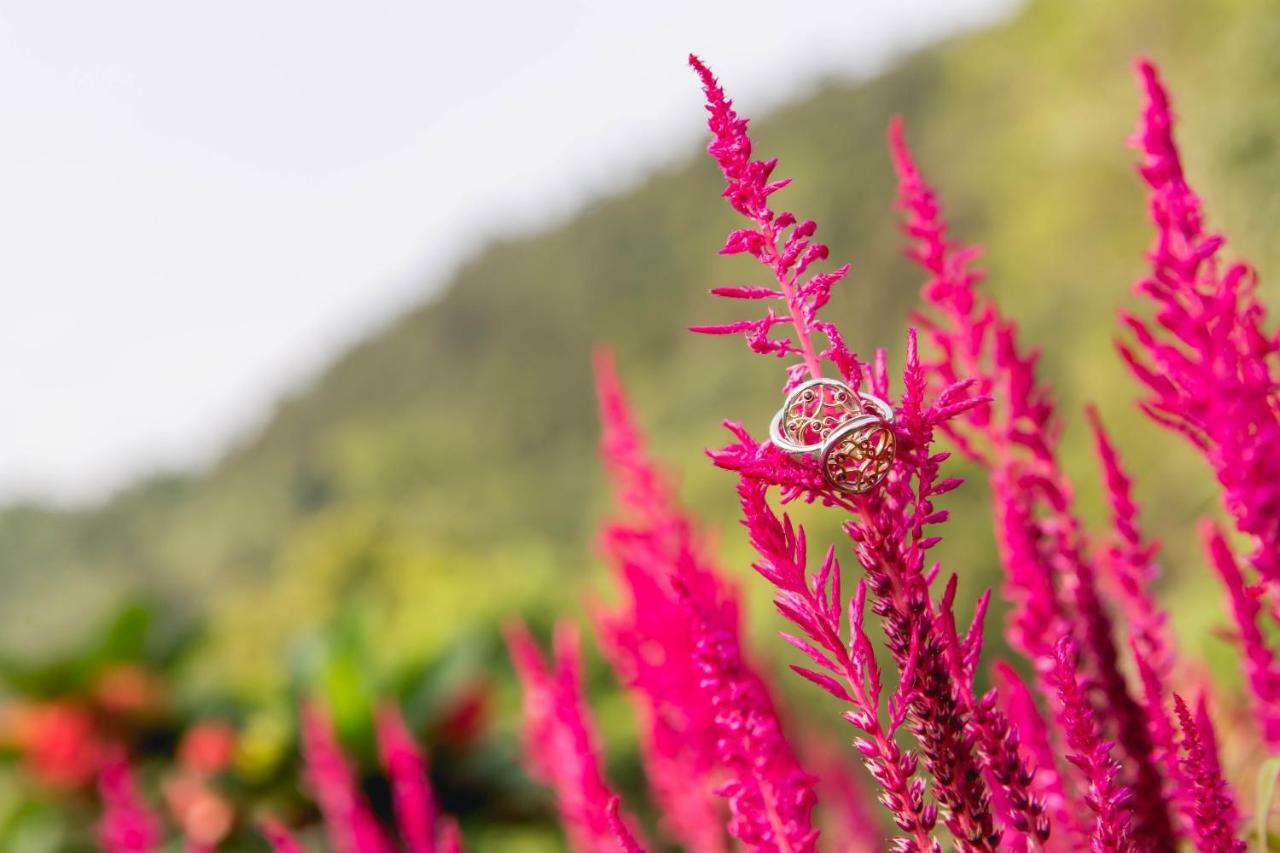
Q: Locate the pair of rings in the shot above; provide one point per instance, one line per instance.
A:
(849, 434)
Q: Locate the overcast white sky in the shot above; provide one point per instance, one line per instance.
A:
(201, 203)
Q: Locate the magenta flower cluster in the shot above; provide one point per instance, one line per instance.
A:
(1087, 742)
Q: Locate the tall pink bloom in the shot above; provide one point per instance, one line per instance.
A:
(351, 825)
(1050, 574)
(126, 825)
(888, 527)
(1208, 363)
(777, 240)
(847, 668)
(676, 643)
(411, 792)
(1214, 812)
(560, 743)
(1261, 668)
(1109, 800)
(1035, 739)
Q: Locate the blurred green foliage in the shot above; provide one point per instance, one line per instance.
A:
(441, 476)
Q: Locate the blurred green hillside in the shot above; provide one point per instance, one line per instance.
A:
(443, 471)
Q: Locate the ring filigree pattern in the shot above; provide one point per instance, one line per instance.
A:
(857, 461)
(815, 412)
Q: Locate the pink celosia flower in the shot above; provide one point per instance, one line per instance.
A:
(351, 826)
(1050, 575)
(695, 708)
(1036, 740)
(1108, 799)
(1260, 666)
(126, 825)
(776, 240)
(411, 792)
(1009, 773)
(1214, 813)
(815, 605)
(1131, 562)
(560, 745)
(888, 527)
(1209, 365)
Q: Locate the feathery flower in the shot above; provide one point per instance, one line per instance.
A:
(850, 672)
(1209, 365)
(560, 744)
(351, 825)
(126, 825)
(778, 241)
(888, 527)
(770, 797)
(1108, 799)
(695, 708)
(1035, 739)
(411, 792)
(1261, 668)
(1214, 810)
(1050, 575)
(1010, 775)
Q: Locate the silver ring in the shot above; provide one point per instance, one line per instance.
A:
(816, 421)
(865, 405)
(858, 454)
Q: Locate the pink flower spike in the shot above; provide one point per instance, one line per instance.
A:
(1214, 810)
(1050, 572)
(778, 241)
(352, 827)
(1209, 367)
(1261, 668)
(560, 742)
(411, 792)
(674, 598)
(1109, 800)
(126, 825)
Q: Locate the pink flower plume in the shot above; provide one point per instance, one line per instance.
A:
(1050, 573)
(351, 825)
(560, 742)
(1214, 811)
(411, 792)
(675, 641)
(779, 242)
(1109, 800)
(1208, 364)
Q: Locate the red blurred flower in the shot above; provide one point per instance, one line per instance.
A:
(59, 742)
(207, 747)
(465, 716)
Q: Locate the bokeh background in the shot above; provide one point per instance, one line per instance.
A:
(299, 300)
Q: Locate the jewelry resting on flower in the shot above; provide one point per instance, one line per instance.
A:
(849, 434)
